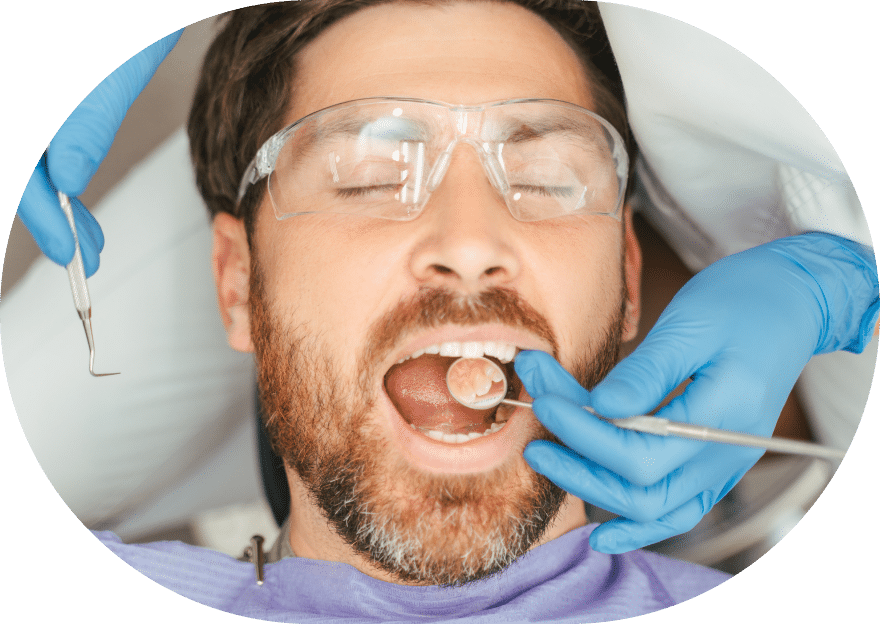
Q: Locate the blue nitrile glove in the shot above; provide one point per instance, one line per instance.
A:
(74, 154)
(742, 329)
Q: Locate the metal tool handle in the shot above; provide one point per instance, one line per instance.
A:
(666, 427)
(780, 445)
(76, 271)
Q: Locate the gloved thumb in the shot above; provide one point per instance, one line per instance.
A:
(541, 374)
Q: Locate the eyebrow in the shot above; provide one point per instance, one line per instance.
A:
(387, 127)
(521, 130)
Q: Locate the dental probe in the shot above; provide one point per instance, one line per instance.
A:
(644, 424)
(76, 273)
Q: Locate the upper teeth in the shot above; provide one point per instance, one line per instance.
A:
(499, 350)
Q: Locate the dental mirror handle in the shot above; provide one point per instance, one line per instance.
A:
(665, 427)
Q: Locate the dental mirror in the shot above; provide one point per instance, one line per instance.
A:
(478, 383)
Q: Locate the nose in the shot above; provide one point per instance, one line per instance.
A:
(467, 236)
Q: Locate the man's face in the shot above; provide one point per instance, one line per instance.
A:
(337, 301)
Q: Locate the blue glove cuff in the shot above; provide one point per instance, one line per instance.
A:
(846, 274)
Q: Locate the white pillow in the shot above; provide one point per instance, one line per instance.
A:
(730, 159)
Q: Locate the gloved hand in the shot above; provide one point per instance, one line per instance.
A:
(742, 329)
(74, 154)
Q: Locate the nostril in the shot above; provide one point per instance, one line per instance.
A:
(491, 272)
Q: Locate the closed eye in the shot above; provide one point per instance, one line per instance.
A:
(546, 191)
(353, 192)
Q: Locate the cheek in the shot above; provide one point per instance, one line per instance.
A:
(581, 281)
(333, 276)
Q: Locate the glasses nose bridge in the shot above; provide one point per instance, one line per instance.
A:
(468, 122)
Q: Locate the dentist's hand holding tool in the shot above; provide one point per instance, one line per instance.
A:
(742, 330)
(74, 155)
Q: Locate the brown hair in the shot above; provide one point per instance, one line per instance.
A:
(248, 78)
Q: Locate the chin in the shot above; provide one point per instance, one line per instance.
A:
(442, 512)
(424, 525)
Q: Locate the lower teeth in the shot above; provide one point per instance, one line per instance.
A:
(458, 438)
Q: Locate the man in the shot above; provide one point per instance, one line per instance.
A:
(327, 326)
(393, 234)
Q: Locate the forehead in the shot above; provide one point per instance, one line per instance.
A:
(461, 53)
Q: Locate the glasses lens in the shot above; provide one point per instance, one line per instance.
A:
(370, 159)
(376, 159)
(558, 160)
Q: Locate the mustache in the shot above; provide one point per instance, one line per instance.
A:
(432, 307)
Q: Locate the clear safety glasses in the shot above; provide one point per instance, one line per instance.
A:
(384, 157)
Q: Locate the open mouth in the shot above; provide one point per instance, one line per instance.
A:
(417, 387)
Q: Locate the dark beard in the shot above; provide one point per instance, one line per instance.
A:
(421, 528)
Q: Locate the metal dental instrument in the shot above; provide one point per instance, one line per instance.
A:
(494, 395)
(76, 273)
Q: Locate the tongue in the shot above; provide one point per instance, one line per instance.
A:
(418, 390)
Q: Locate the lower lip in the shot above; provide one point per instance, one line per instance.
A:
(478, 455)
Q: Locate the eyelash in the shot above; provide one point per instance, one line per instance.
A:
(352, 192)
(547, 191)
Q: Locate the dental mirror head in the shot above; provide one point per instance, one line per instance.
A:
(477, 383)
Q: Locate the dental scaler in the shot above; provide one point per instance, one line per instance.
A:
(76, 273)
(479, 383)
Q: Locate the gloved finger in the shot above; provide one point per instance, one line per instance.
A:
(641, 458)
(85, 137)
(623, 535)
(85, 221)
(541, 374)
(42, 216)
(715, 471)
(595, 484)
(579, 476)
(89, 246)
